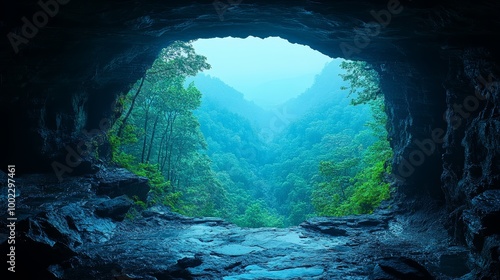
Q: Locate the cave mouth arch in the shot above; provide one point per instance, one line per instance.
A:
(104, 78)
(295, 134)
(105, 66)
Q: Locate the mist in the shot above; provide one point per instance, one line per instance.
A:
(267, 71)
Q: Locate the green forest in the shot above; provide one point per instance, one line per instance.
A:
(209, 152)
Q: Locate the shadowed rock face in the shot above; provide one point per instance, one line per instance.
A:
(439, 63)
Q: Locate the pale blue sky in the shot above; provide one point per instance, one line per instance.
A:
(259, 67)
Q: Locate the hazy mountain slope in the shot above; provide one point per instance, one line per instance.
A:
(273, 93)
(220, 95)
(325, 88)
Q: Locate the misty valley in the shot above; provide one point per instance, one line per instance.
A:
(207, 151)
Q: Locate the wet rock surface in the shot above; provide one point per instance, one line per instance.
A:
(78, 235)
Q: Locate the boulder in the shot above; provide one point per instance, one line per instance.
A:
(115, 208)
(119, 181)
(400, 268)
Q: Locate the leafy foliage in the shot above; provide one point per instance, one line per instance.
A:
(361, 191)
(258, 216)
(279, 180)
(205, 155)
(363, 81)
(159, 137)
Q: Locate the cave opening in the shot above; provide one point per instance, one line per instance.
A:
(260, 132)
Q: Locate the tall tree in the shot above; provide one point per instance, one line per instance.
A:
(177, 60)
(165, 135)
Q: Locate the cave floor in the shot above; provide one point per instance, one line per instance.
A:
(168, 246)
(60, 219)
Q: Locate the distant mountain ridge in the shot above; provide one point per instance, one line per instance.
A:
(271, 93)
(325, 89)
(219, 94)
(270, 122)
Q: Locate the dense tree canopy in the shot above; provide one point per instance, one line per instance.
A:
(209, 152)
(159, 136)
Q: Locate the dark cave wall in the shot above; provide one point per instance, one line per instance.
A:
(415, 109)
(471, 157)
(471, 151)
(61, 86)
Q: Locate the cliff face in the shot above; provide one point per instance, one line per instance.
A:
(64, 62)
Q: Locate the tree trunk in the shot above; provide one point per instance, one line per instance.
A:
(124, 122)
(164, 140)
(152, 137)
(160, 150)
(146, 119)
(170, 149)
